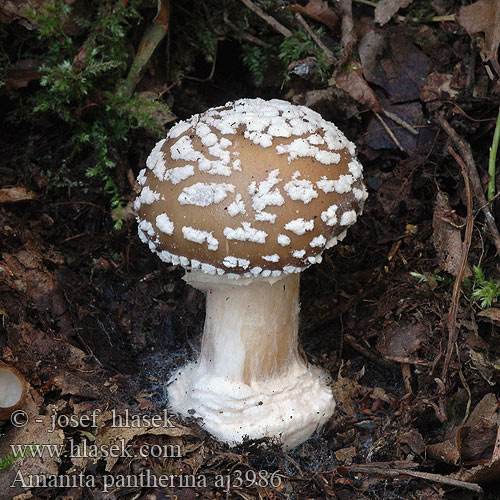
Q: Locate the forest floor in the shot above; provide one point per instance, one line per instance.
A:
(93, 320)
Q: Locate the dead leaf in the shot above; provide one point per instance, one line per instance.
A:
(317, 10)
(117, 435)
(351, 81)
(478, 442)
(491, 314)
(399, 342)
(475, 440)
(72, 384)
(482, 474)
(447, 236)
(16, 193)
(447, 451)
(483, 16)
(31, 277)
(483, 438)
(144, 401)
(371, 47)
(401, 68)
(488, 369)
(162, 114)
(344, 391)
(414, 440)
(12, 11)
(385, 9)
(23, 496)
(305, 68)
(35, 432)
(40, 351)
(346, 455)
(376, 136)
(437, 87)
(348, 38)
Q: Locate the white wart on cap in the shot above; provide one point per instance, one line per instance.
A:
(250, 188)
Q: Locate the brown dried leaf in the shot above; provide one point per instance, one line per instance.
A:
(346, 455)
(317, 10)
(72, 384)
(400, 342)
(348, 38)
(31, 277)
(385, 9)
(491, 314)
(438, 86)
(447, 237)
(376, 136)
(478, 442)
(117, 435)
(447, 451)
(16, 193)
(414, 440)
(400, 67)
(482, 474)
(352, 82)
(345, 390)
(12, 11)
(35, 432)
(483, 16)
(475, 439)
(31, 345)
(370, 48)
(488, 369)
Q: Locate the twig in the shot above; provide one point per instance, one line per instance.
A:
(153, 35)
(367, 353)
(389, 131)
(397, 119)
(367, 2)
(212, 70)
(396, 472)
(496, 450)
(243, 35)
(328, 53)
(493, 159)
(466, 153)
(269, 20)
(434, 19)
(348, 37)
(457, 286)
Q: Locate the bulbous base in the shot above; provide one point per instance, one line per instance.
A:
(289, 408)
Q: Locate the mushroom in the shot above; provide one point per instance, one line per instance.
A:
(12, 391)
(245, 196)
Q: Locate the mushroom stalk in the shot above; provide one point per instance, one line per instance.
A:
(249, 367)
(251, 331)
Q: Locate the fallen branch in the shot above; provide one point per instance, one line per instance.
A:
(389, 131)
(269, 19)
(466, 153)
(386, 470)
(395, 118)
(457, 287)
(328, 53)
(153, 35)
(348, 36)
(243, 35)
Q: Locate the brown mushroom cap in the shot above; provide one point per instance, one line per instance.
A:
(252, 187)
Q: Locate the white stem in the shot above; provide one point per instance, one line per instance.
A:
(251, 330)
(250, 379)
